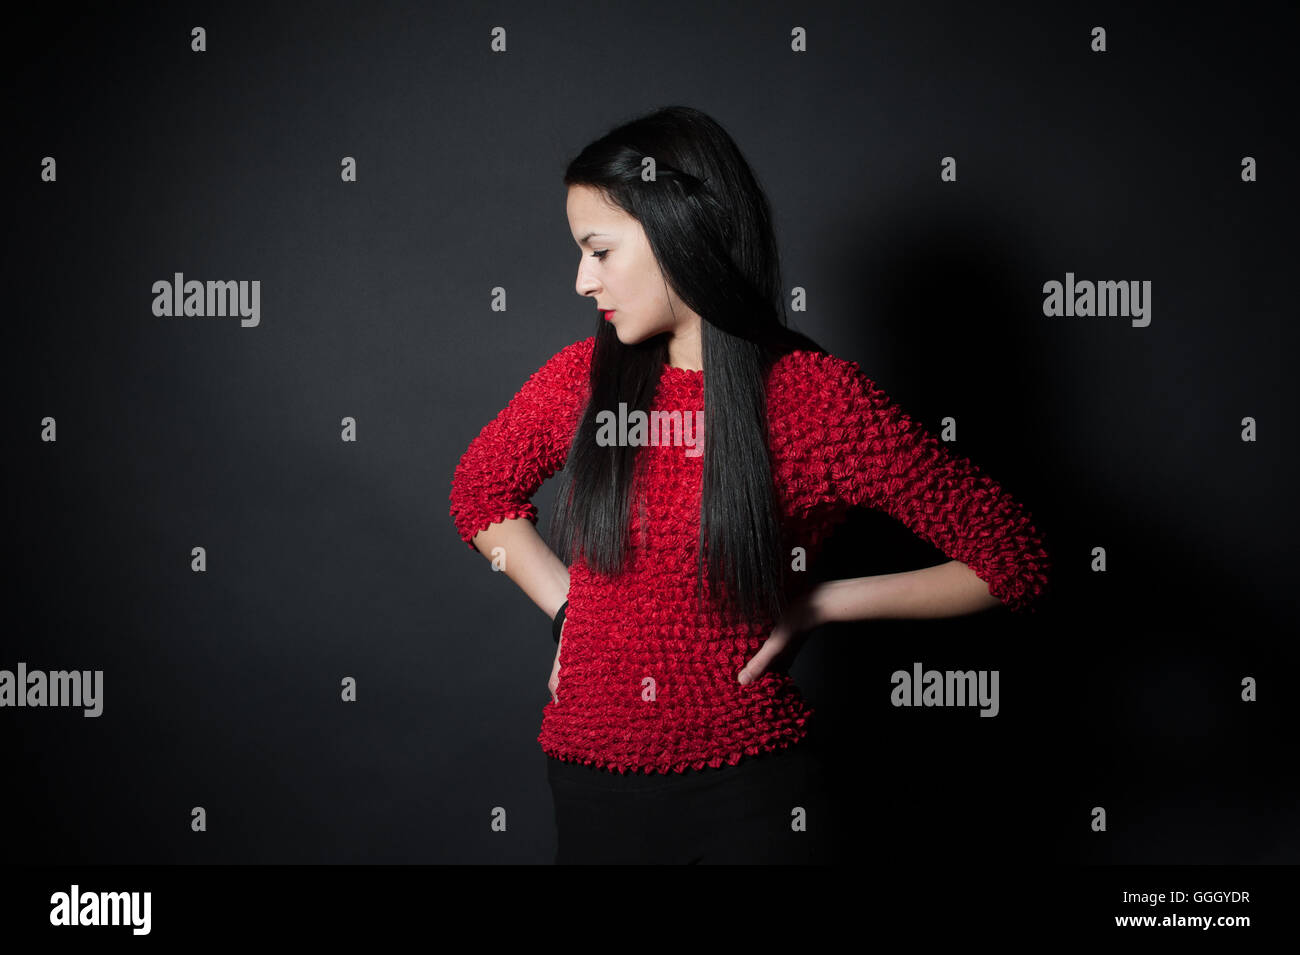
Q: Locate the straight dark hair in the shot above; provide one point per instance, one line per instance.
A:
(709, 226)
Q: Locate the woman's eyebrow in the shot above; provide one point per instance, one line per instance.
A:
(583, 240)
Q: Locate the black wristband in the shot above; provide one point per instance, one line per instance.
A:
(558, 623)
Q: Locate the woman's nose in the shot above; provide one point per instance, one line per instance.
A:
(585, 284)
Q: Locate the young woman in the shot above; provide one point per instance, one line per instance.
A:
(707, 452)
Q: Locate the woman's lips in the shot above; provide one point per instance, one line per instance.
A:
(609, 315)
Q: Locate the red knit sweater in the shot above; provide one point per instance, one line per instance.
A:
(647, 677)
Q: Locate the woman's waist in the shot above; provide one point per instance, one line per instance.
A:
(654, 614)
(668, 685)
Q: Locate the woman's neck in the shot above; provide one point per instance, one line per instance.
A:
(684, 349)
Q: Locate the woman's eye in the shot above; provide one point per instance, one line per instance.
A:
(600, 254)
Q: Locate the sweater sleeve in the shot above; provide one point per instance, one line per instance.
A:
(525, 444)
(877, 456)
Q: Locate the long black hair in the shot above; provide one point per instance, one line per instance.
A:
(710, 228)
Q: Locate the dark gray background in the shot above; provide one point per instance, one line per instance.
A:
(329, 559)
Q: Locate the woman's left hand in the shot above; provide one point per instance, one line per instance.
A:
(788, 635)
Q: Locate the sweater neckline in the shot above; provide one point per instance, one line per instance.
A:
(683, 372)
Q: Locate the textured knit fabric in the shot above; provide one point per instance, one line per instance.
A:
(647, 677)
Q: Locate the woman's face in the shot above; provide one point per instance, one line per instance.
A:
(618, 269)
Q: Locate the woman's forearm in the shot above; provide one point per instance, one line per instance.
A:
(528, 561)
(947, 590)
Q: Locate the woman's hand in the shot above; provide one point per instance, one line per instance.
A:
(785, 641)
(554, 683)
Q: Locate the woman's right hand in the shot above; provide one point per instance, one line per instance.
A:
(554, 683)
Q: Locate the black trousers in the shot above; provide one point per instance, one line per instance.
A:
(768, 809)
